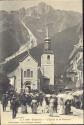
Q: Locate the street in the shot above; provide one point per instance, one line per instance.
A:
(25, 119)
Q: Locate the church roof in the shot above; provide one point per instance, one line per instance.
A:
(14, 63)
(35, 52)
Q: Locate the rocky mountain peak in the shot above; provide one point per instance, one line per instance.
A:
(64, 27)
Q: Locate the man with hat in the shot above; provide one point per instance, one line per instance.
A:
(34, 105)
(14, 106)
(51, 106)
(4, 101)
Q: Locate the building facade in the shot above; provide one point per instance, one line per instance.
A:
(75, 66)
(47, 63)
(30, 74)
(25, 75)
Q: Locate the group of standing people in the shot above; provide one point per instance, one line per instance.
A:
(64, 106)
(14, 103)
(37, 103)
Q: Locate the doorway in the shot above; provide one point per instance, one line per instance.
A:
(28, 86)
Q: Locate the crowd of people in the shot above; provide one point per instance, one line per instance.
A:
(37, 102)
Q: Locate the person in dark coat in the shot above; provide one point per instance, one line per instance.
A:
(14, 106)
(47, 101)
(55, 105)
(23, 100)
(51, 105)
(67, 107)
(40, 99)
(29, 99)
(34, 105)
(4, 101)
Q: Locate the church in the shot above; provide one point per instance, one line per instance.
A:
(32, 74)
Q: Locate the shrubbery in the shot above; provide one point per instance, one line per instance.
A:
(4, 83)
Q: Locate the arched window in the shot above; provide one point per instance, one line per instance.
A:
(48, 57)
(25, 74)
(31, 73)
(28, 72)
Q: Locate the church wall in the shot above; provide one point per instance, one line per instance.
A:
(45, 61)
(47, 66)
(28, 63)
(17, 75)
(31, 64)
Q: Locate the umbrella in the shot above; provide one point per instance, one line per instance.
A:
(48, 95)
(61, 95)
(70, 97)
(34, 101)
(78, 93)
(53, 95)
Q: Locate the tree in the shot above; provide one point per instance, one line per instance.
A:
(4, 83)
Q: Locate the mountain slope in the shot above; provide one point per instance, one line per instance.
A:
(13, 34)
(63, 29)
(62, 45)
(38, 16)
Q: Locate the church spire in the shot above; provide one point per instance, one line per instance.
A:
(47, 40)
(47, 33)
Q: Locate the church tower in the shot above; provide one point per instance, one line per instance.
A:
(47, 61)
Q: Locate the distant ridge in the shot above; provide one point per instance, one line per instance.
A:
(63, 29)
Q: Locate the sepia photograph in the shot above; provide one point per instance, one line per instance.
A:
(41, 62)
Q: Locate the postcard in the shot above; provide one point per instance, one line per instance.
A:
(41, 62)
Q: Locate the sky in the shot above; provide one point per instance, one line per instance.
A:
(73, 5)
